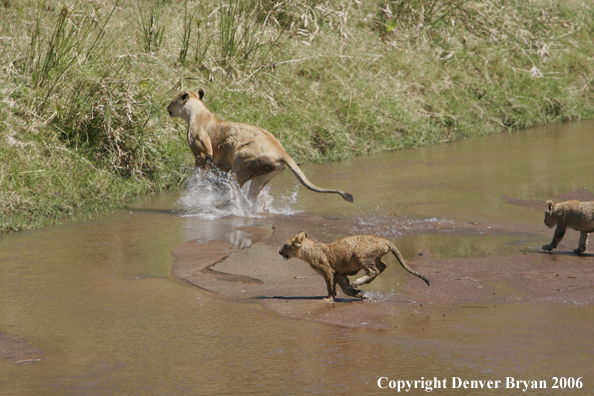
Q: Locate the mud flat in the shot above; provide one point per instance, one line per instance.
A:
(469, 216)
(517, 309)
(291, 288)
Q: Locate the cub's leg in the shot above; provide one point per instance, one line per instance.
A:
(372, 270)
(347, 288)
(559, 233)
(330, 279)
(583, 243)
(380, 265)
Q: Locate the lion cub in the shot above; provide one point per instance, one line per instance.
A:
(573, 214)
(346, 256)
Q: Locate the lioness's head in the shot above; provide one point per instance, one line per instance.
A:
(292, 246)
(179, 100)
(550, 219)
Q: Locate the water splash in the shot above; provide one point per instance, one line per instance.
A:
(383, 296)
(392, 226)
(215, 194)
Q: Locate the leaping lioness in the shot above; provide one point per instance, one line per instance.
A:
(346, 256)
(248, 152)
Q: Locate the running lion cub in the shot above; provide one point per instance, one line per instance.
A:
(346, 256)
(573, 214)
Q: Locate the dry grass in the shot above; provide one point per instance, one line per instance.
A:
(85, 83)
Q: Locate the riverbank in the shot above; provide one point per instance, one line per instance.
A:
(84, 128)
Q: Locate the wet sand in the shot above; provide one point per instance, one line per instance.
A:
(18, 351)
(291, 288)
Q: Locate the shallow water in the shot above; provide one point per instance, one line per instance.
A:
(97, 297)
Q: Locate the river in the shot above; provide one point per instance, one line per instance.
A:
(92, 308)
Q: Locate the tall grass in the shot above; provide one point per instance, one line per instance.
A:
(85, 84)
(151, 27)
(243, 36)
(74, 41)
(188, 26)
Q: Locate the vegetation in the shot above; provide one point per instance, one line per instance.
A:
(84, 84)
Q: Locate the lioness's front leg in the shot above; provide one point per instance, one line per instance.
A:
(203, 162)
(583, 243)
(557, 237)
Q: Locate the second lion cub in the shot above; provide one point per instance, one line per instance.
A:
(343, 257)
(573, 214)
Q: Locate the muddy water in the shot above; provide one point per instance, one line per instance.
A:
(100, 313)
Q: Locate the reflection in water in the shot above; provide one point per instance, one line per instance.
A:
(98, 300)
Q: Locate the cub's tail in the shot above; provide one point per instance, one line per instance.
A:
(301, 177)
(400, 259)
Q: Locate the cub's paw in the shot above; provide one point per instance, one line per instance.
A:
(579, 251)
(547, 247)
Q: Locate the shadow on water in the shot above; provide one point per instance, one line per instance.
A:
(99, 313)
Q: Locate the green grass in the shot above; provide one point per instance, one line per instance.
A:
(85, 83)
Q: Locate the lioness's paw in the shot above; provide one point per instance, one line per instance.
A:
(579, 251)
(547, 247)
(328, 299)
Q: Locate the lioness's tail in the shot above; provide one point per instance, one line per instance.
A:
(400, 259)
(301, 177)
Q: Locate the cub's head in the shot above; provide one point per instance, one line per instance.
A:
(292, 246)
(180, 99)
(550, 219)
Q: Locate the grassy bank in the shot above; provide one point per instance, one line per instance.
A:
(84, 84)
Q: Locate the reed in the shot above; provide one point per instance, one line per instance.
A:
(84, 85)
(188, 23)
(149, 21)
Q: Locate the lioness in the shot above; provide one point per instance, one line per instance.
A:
(573, 214)
(248, 152)
(346, 256)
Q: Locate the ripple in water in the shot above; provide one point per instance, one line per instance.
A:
(382, 296)
(391, 226)
(214, 194)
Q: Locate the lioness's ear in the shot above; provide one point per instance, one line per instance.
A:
(549, 206)
(201, 93)
(185, 96)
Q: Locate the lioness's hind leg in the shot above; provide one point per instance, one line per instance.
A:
(258, 184)
(347, 288)
(583, 245)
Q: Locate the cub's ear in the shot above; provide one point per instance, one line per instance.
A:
(301, 236)
(201, 93)
(549, 206)
(185, 96)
